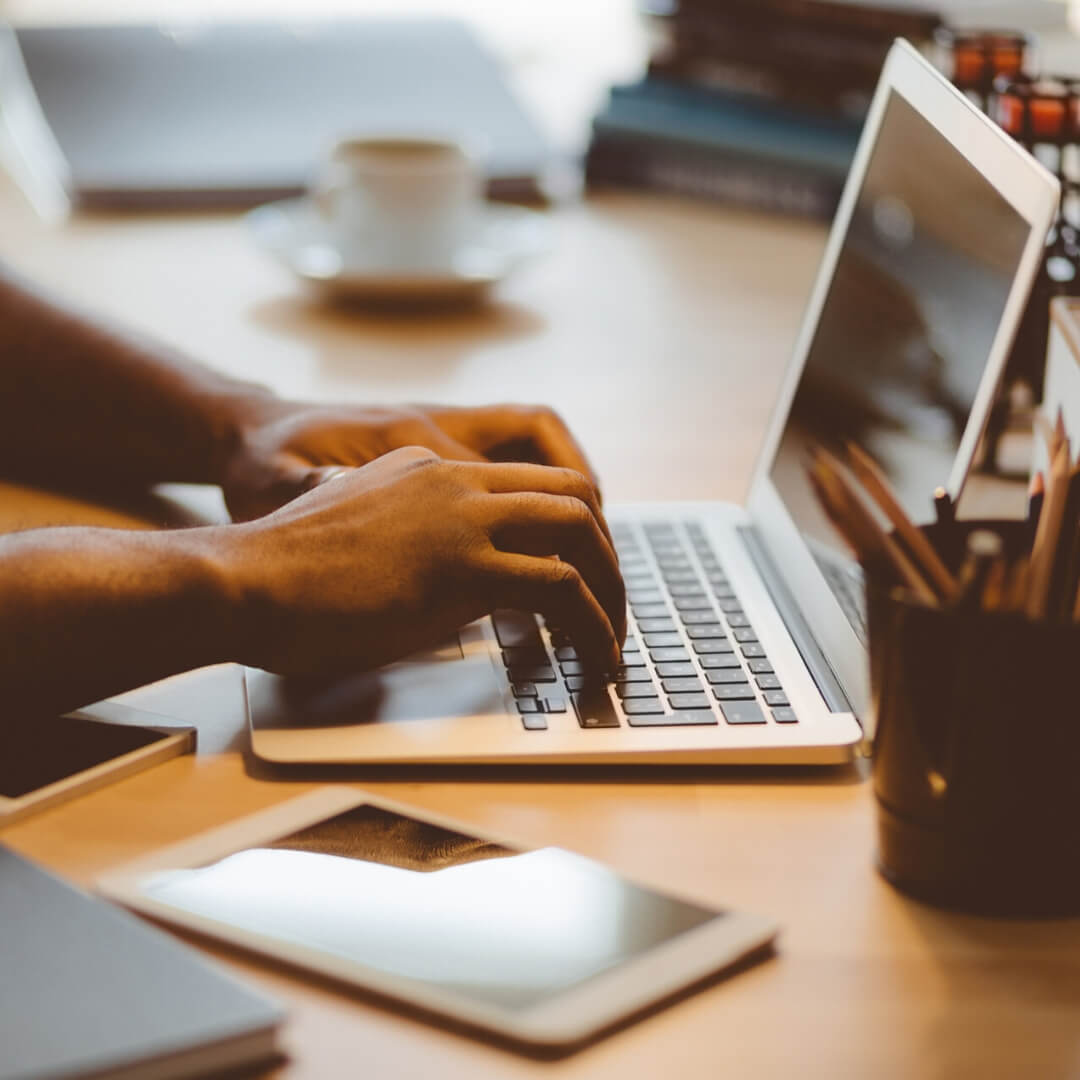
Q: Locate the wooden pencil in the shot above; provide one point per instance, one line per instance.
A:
(927, 559)
(1048, 535)
(855, 522)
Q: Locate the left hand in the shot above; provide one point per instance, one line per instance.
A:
(292, 447)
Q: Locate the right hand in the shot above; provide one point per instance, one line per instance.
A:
(397, 555)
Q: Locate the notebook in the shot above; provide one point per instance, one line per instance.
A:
(746, 639)
(89, 990)
(239, 113)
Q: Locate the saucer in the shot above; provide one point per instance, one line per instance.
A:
(295, 233)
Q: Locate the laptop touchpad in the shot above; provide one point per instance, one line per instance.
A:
(436, 685)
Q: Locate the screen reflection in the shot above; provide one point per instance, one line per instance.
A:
(905, 333)
(496, 926)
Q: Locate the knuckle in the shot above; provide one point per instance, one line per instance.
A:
(415, 456)
(565, 578)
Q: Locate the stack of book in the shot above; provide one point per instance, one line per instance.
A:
(757, 102)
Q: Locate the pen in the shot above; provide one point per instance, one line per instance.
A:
(944, 508)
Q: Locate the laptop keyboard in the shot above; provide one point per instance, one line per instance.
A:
(691, 656)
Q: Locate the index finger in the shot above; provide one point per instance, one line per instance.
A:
(489, 427)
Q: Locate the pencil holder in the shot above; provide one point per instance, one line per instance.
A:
(976, 763)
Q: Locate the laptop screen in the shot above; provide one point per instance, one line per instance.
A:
(906, 329)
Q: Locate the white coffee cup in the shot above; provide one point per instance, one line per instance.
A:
(399, 204)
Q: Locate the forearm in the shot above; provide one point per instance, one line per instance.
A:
(84, 404)
(87, 613)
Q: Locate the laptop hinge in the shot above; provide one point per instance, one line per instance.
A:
(823, 675)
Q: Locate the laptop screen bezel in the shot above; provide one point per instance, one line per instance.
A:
(1030, 190)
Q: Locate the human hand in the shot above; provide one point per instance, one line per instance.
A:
(289, 447)
(394, 556)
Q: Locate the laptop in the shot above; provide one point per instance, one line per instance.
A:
(746, 641)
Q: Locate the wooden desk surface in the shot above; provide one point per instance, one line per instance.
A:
(659, 329)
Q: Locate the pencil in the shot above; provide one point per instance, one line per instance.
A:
(929, 562)
(857, 525)
(1048, 535)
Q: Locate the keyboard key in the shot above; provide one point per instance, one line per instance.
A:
(768, 682)
(642, 706)
(650, 611)
(724, 592)
(698, 602)
(633, 674)
(681, 686)
(640, 580)
(737, 618)
(531, 656)
(516, 629)
(744, 633)
(709, 630)
(753, 649)
(644, 596)
(720, 660)
(733, 692)
(673, 577)
(675, 670)
(630, 645)
(662, 641)
(528, 705)
(527, 689)
(673, 562)
(566, 652)
(594, 709)
(725, 676)
(698, 618)
(684, 588)
(676, 719)
(572, 667)
(650, 626)
(776, 697)
(668, 654)
(632, 659)
(730, 605)
(760, 667)
(742, 712)
(577, 682)
(540, 673)
(785, 714)
(534, 722)
(715, 576)
(555, 704)
(689, 701)
(712, 645)
(635, 689)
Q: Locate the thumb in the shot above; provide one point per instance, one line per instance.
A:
(260, 489)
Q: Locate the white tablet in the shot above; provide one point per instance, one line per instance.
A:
(540, 947)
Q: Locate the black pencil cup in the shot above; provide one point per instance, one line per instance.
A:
(976, 761)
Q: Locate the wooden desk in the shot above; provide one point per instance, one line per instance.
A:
(660, 330)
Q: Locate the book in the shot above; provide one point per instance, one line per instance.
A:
(685, 139)
(682, 170)
(91, 990)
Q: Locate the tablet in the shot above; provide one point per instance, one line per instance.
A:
(51, 759)
(540, 947)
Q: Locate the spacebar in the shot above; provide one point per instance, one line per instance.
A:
(594, 708)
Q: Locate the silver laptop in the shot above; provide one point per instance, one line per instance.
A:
(746, 641)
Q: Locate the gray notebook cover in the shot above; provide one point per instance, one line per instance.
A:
(240, 113)
(88, 989)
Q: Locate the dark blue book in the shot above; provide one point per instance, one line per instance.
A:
(691, 140)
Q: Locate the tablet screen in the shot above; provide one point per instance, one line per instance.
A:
(495, 925)
(47, 750)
